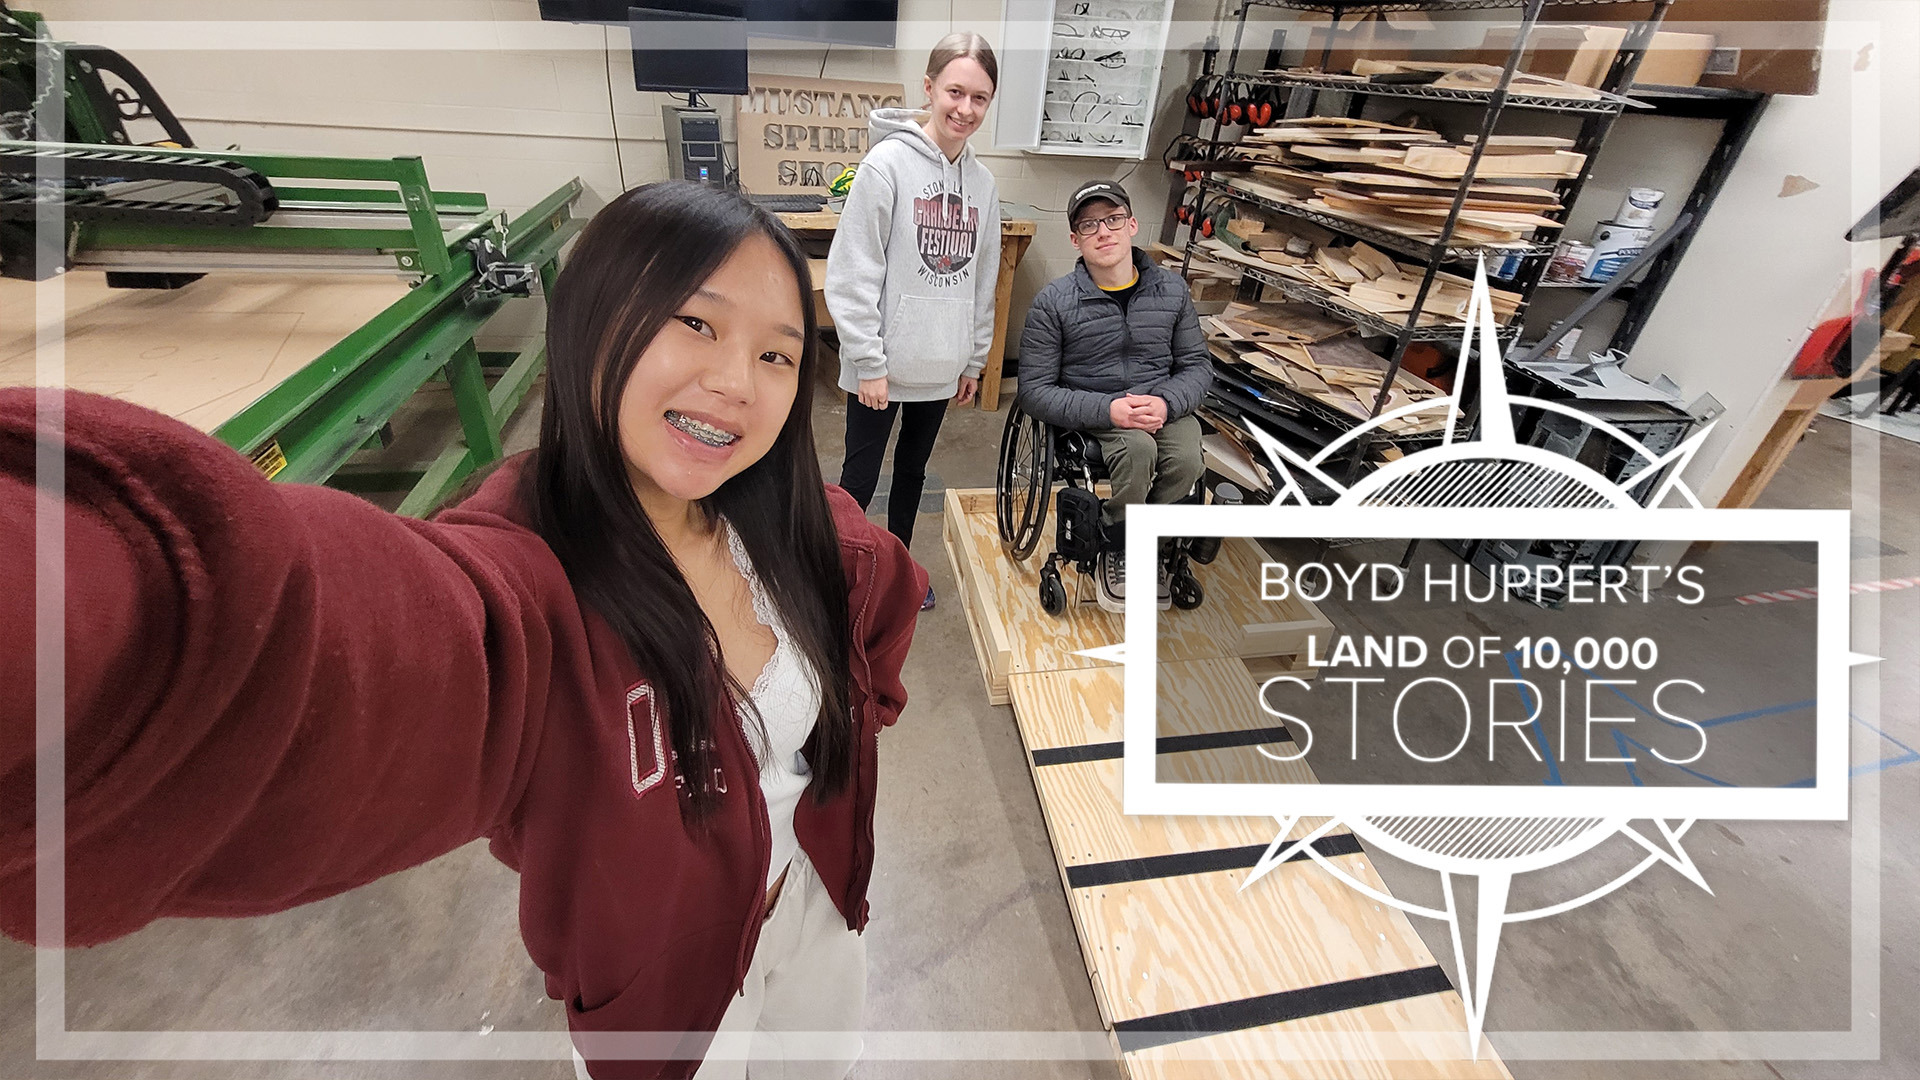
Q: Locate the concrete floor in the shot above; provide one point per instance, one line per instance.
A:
(971, 932)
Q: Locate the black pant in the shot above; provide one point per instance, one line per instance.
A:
(867, 433)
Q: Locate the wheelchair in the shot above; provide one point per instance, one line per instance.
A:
(1034, 456)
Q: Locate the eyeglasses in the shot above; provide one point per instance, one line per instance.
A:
(1113, 222)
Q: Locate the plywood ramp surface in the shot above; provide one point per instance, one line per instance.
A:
(1013, 635)
(200, 353)
(1083, 803)
(1299, 975)
(1175, 943)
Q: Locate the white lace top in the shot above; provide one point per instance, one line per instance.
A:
(788, 698)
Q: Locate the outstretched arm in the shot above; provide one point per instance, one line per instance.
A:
(273, 693)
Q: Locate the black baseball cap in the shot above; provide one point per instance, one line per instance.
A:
(1098, 189)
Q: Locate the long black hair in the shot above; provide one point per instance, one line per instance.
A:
(636, 263)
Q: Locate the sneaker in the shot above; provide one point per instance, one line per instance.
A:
(1112, 573)
(927, 604)
(1166, 587)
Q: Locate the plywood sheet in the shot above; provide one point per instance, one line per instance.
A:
(1082, 802)
(1083, 706)
(200, 353)
(1168, 944)
(1006, 598)
(1419, 1037)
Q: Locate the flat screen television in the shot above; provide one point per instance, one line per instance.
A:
(678, 51)
(839, 22)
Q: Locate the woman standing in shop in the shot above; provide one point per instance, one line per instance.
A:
(911, 276)
(647, 660)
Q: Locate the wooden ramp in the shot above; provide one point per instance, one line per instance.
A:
(200, 353)
(1298, 976)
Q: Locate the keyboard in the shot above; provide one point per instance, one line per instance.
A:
(789, 204)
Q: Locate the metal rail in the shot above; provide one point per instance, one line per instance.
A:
(1606, 103)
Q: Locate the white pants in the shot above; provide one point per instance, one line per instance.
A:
(805, 994)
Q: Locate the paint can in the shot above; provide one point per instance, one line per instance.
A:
(1639, 207)
(1614, 246)
(1569, 261)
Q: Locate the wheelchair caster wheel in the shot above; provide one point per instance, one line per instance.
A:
(1204, 549)
(1053, 594)
(1186, 590)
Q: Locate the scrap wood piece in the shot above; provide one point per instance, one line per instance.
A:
(1348, 353)
(1473, 202)
(1334, 262)
(1369, 154)
(1369, 260)
(1391, 180)
(1302, 321)
(1500, 143)
(1451, 160)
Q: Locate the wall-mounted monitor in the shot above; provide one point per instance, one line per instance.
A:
(681, 51)
(841, 22)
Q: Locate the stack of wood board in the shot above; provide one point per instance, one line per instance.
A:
(1335, 370)
(1388, 177)
(1363, 279)
(1301, 323)
(1208, 280)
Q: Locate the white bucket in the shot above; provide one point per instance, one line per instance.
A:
(1639, 207)
(1614, 246)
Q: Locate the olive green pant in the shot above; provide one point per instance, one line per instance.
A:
(1157, 468)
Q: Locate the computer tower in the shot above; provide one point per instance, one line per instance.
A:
(694, 149)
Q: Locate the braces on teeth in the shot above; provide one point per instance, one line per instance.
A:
(706, 433)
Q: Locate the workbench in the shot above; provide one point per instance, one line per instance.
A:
(1015, 235)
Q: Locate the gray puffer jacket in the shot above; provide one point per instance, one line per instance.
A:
(1078, 353)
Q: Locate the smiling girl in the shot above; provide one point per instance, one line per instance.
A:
(648, 660)
(911, 276)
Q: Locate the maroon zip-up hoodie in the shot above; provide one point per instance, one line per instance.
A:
(276, 693)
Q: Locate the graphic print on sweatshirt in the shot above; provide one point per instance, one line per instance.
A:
(946, 233)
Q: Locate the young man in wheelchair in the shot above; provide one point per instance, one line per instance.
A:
(1114, 349)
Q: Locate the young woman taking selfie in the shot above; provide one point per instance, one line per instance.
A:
(648, 661)
(911, 275)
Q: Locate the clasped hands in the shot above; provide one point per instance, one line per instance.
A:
(1143, 412)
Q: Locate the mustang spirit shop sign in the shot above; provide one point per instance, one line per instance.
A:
(797, 134)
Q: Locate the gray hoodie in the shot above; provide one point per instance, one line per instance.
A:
(911, 276)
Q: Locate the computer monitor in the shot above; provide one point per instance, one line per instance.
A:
(679, 51)
(844, 22)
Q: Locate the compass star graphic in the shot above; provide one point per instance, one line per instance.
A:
(1477, 858)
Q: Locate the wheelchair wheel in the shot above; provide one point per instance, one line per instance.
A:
(1024, 483)
(1186, 590)
(1053, 594)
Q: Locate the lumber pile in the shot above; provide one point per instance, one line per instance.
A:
(1403, 180)
(1357, 276)
(1296, 348)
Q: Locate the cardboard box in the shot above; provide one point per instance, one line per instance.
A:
(1767, 46)
(1578, 54)
(1675, 60)
(1583, 54)
(1392, 35)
